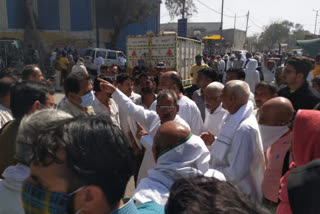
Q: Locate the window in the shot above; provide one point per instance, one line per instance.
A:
(101, 53)
(112, 55)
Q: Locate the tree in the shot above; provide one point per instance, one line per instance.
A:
(32, 39)
(275, 32)
(125, 12)
(281, 32)
(180, 7)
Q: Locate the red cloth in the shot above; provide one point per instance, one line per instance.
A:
(306, 147)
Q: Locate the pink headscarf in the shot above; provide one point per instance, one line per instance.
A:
(306, 147)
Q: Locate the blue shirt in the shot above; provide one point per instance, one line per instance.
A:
(146, 208)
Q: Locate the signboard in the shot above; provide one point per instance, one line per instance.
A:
(182, 27)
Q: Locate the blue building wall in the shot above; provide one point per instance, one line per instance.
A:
(16, 15)
(81, 15)
(48, 15)
(137, 29)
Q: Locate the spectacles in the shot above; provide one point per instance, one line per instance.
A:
(166, 108)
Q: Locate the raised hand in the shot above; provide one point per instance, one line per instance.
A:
(106, 86)
(141, 131)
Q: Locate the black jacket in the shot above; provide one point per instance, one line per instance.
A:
(302, 98)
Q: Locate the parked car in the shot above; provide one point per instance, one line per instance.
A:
(111, 57)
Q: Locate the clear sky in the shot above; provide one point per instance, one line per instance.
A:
(262, 12)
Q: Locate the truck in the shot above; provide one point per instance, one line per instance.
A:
(177, 53)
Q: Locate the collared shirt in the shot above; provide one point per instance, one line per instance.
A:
(5, 115)
(198, 99)
(221, 67)
(302, 98)
(243, 165)
(194, 71)
(215, 121)
(75, 110)
(189, 112)
(278, 87)
(146, 208)
(274, 165)
(101, 109)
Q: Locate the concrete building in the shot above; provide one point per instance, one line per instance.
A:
(75, 23)
(198, 29)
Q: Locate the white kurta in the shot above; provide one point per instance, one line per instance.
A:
(188, 111)
(149, 120)
(191, 158)
(101, 109)
(243, 165)
(214, 122)
(123, 116)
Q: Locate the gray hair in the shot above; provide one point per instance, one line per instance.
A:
(239, 89)
(29, 130)
(166, 93)
(215, 86)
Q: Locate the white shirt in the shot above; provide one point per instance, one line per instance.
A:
(123, 116)
(268, 75)
(149, 120)
(122, 61)
(189, 112)
(244, 163)
(214, 122)
(101, 109)
(99, 61)
(5, 115)
(229, 64)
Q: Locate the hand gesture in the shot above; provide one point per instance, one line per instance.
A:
(141, 131)
(106, 86)
(208, 138)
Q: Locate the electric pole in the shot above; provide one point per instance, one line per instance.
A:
(247, 23)
(221, 26)
(235, 20)
(315, 25)
(183, 9)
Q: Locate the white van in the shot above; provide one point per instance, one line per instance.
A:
(111, 57)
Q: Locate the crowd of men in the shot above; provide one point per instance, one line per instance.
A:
(243, 141)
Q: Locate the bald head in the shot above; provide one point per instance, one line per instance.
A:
(168, 135)
(171, 80)
(276, 112)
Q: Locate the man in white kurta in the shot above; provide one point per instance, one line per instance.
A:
(237, 152)
(188, 110)
(150, 120)
(215, 114)
(179, 154)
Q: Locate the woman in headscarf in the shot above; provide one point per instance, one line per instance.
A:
(305, 147)
(252, 75)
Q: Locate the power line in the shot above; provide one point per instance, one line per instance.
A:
(256, 24)
(218, 11)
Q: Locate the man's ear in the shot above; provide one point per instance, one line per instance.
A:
(91, 200)
(178, 108)
(36, 106)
